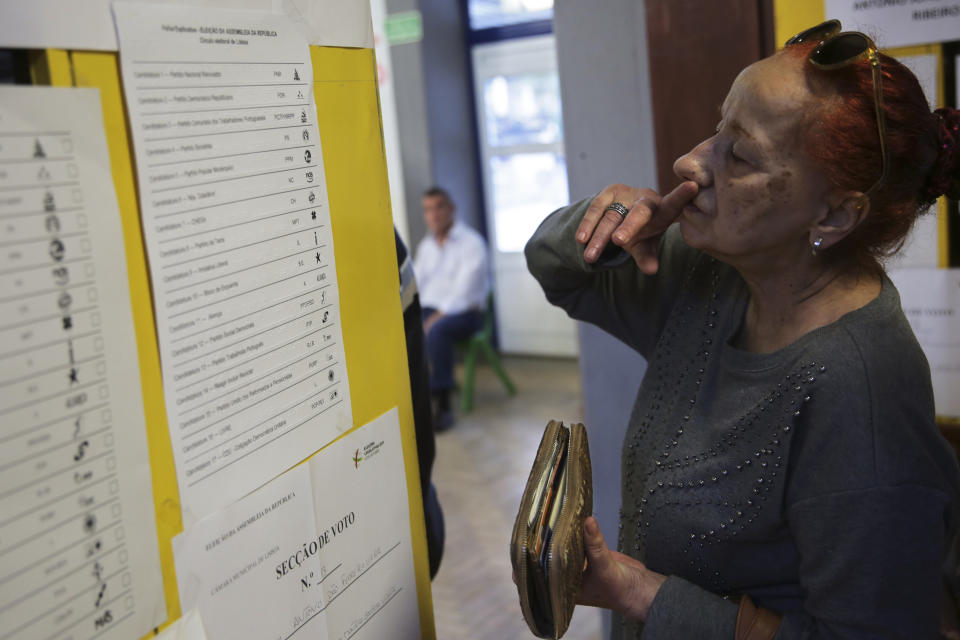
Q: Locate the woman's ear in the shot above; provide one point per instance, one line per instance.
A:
(844, 212)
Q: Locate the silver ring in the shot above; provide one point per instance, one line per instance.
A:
(619, 208)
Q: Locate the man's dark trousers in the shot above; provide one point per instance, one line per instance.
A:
(442, 337)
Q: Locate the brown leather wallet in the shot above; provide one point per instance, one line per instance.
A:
(755, 623)
(546, 548)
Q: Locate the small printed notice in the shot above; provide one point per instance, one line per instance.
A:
(237, 228)
(78, 543)
(899, 23)
(323, 551)
(931, 302)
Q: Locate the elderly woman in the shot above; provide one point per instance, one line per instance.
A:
(782, 472)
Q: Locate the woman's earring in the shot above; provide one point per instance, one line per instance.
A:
(816, 245)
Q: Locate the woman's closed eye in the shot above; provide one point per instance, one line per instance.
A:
(738, 158)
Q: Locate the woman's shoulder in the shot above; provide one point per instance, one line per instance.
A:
(870, 419)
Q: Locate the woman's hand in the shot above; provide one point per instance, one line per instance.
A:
(639, 232)
(614, 580)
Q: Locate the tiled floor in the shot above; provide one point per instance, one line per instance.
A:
(481, 469)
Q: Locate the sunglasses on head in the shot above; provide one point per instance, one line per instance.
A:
(837, 49)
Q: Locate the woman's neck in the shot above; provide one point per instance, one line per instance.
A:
(787, 304)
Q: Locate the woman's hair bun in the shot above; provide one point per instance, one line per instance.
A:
(944, 178)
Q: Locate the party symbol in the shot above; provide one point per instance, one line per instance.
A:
(61, 275)
(313, 215)
(90, 523)
(303, 116)
(73, 376)
(306, 135)
(326, 314)
(312, 196)
(43, 174)
(52, 223)
(56, 249)
(67, 322)
(318, 256)
(103, 620)
(48, 203)
(330, 375)
(103, 590)
(64, 301)
(93, 548)
(306, 155)
(309, 175)
(296, 76)
(97, 571)
(38, 151)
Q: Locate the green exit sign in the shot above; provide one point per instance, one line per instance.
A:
(404, 27)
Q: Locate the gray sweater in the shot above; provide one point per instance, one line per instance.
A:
(813, 479)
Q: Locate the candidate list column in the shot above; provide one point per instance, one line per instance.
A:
(238, 228)
(65, 562)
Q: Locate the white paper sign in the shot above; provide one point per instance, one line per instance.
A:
(931, 302)
(78, 543)
(921, 246)
(323, 551)
(237, 227)
(360, 497)
(899, 23)
(67, 24)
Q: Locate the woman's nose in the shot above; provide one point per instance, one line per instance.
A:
(695, 164)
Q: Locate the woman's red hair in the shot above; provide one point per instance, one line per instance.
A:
(842, 138)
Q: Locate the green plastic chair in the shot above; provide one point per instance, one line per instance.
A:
(481, 341)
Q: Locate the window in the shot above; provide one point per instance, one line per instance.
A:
(521, 136)
(485, 14)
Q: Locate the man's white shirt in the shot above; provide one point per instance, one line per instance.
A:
(455, 277)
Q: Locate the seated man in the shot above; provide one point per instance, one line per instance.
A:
(453, 279)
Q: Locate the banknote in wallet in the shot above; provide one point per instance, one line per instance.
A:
(546, 548)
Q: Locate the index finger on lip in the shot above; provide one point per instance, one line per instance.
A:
(673, 202)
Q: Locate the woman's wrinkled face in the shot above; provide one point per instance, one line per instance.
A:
(760, 195)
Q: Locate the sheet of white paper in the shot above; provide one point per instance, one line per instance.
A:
(187, 627)
(237, 227)
(360, 493)
(325, 549)
(66, 24)
(931, 301)
(921, 246)
(227, 564)
(78, 543)
(899, 23)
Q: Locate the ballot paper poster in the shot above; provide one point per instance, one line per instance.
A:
(237, 227)
(78, 543)
(321, 552)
